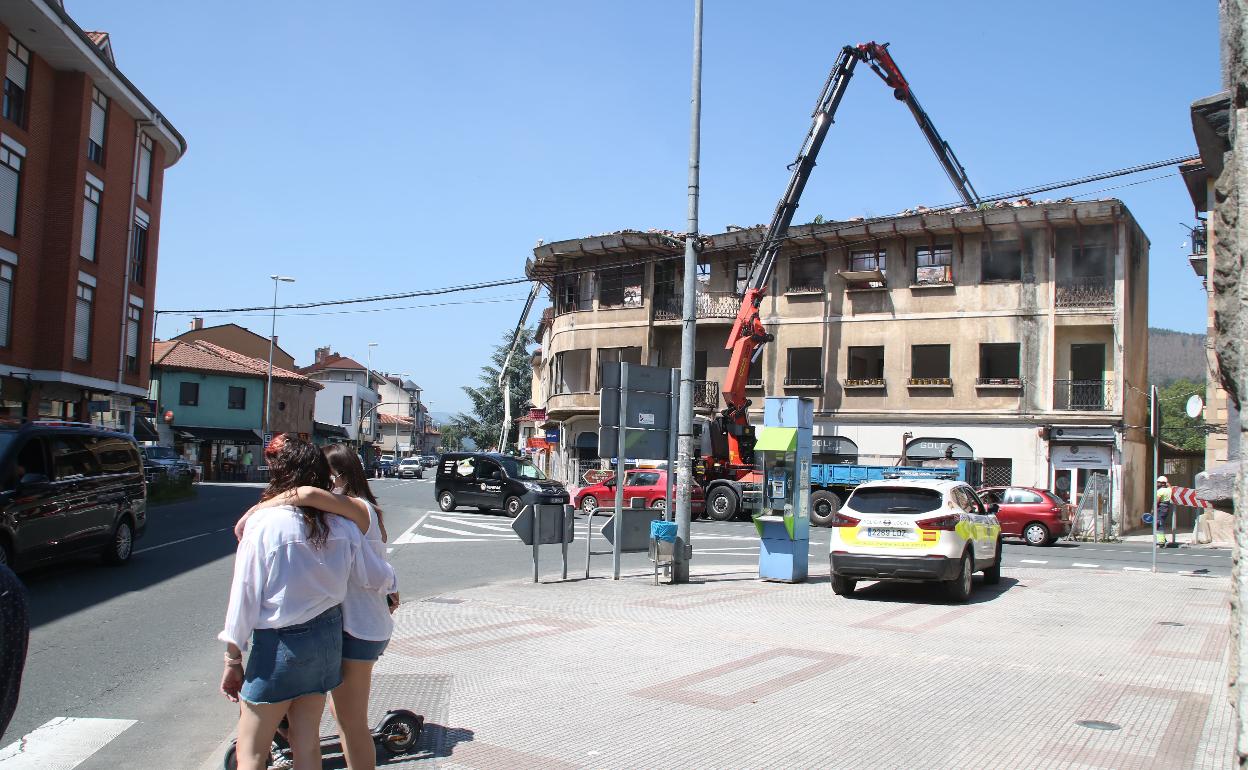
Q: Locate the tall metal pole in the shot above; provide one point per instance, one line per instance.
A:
(684, 468)
(268, 387)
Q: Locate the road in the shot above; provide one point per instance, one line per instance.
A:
(129, 654)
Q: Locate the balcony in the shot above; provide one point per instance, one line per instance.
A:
(708, 306)
(805, 288)
(930, 382)
(1199, 257)
(803, 382)
(1087, 293)
(754, 383)
(864, 382)
(705, 395)
(1083, 395)
(563, 405)
(999, 383)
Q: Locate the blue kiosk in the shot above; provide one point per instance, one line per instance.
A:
(784, 447)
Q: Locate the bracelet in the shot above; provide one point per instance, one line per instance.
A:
(233, 661)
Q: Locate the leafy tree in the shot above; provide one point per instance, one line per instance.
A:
(482, 426)
(1177, 428)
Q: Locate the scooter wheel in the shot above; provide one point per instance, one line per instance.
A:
(399, 732)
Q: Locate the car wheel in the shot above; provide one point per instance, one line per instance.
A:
(959, 589)
(512, 506)
(992, 575)
(843, 586)
(721, 505)
(589, 503)
(1036, 533)
(823, 507)
(660, 504)
(446, 501)
(121, 545)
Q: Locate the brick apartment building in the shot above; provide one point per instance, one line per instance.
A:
(82, 160)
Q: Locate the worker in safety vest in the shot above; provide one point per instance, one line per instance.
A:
(1164, 508)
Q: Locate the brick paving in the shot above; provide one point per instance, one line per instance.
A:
(730, 672)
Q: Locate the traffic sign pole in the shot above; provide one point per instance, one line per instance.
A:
(621, 431)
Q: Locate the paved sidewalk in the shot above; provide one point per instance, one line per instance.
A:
(730, 672)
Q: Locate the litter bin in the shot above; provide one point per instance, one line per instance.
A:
(662, 545)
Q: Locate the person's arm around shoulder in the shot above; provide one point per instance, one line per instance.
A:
(350, 508)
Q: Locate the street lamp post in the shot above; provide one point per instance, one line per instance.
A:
(268, 388)
(368, 384)
(417, 427)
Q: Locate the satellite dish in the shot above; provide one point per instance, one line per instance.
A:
(1195, 405)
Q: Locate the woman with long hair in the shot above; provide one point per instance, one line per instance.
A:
(291, 575)
(366, 621)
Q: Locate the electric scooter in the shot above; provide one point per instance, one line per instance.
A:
(397, 733)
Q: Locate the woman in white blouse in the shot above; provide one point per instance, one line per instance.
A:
(291, 574)
(366, 621)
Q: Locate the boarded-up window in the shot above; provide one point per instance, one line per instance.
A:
(82, 322)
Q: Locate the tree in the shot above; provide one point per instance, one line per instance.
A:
(1177, 428)
(482, 426)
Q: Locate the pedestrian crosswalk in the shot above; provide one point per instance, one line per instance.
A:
(62, 743)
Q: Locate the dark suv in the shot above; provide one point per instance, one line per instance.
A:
(68, 489)
(493, 481)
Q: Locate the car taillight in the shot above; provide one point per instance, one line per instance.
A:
(1056, 509)
(948, 523)
(841, 520)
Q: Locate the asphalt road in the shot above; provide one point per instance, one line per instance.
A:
(136, 645)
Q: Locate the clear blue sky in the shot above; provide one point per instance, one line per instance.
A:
(373, 147)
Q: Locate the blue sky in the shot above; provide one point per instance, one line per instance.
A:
(374, 147)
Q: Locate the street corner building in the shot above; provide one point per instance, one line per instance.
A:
(82, 159)
(1014, 334)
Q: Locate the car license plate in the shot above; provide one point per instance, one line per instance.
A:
(891, 533)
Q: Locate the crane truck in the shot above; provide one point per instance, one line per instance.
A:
(727, 471)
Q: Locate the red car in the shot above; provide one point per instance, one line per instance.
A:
(1036, 515)
(648, 484)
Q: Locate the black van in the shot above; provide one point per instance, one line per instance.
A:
(68, 489)
(493, 481)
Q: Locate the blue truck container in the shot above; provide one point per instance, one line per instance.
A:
(831, 484)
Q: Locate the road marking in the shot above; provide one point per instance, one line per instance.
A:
(1081, 564)
(464, 532)
(410, 532)
(492, 524)
(183, 540)
(390, 549)
(1136, 569)
(415, 538)
(1033, 561)
(62, 743)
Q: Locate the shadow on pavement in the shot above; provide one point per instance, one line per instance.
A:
(931, 593)
(61, 589)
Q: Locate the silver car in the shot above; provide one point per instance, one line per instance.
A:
(410, 468)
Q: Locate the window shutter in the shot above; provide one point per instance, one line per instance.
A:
(6, 302)
(132, 337)
(8, 199)
(145, 172)
(82, 324)
(97, 124)
(16, 71)
(90, 216)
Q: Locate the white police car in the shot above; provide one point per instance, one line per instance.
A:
(915, 530)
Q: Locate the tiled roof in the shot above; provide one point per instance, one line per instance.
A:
(333, 361)
(200, 356)
(393, 419)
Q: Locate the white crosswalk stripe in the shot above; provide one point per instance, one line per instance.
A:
(62, 743)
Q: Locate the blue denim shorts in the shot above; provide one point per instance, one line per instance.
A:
(286, 663)
(362, 649)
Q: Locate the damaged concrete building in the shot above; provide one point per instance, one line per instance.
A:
(1016, 335)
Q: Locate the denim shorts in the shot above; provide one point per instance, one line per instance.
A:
(286, 663)
(362, 649)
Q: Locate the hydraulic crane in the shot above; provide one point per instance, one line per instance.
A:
(731, 460)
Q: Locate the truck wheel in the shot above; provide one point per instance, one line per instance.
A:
(823, 507)
(722, 504)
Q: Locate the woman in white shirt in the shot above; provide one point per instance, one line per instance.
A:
(291, 574)
(366, 621)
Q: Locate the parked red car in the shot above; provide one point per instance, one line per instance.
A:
(648, 484)
(1036, 515)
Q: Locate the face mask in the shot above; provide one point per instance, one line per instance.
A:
(339, 490)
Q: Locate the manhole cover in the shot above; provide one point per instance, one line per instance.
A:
(1168, 623)
(442, 600)
(1095, 724)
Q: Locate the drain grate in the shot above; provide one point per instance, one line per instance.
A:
(442, 600)
(1168, 623)
(1096, 724)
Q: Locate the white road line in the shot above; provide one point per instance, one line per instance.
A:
(390, 549)
(183, 540)
(1136, 569)
(410, 532)
(494, 525)
(1081, 564)
(485, 535)
(1033, 561)
(62, 743)
(415, 538)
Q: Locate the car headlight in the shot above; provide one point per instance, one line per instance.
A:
(533, 486)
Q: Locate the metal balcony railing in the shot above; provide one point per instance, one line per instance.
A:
(705, 394)
(805, 287)
(1200, 240)
(999, 382)
(707, 304)
(754, 383)
(864, 382)
(930, 382)
(1093, 292)
(1083, 395)
(803, 382)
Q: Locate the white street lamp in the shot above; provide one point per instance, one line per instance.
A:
(268, 388)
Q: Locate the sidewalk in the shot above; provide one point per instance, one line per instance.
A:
(730, 672)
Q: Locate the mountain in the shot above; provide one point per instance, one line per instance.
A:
(1175, 356)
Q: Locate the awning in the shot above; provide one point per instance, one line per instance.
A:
(326, 429)
(221, 435)
(926, 448)
(144, 430)
(834, 445)
(777, 439)
(1082, 434)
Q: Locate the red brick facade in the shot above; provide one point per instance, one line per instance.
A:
(39, 365)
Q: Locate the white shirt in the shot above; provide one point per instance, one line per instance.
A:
(281, 580)
(364, 612)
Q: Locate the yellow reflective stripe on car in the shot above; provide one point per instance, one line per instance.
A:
(858, 536)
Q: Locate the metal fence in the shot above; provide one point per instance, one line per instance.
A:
(1083, 395)
(1096, 294)
(705, 394)
(707, 304)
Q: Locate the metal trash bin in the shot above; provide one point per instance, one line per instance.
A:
(662, 545)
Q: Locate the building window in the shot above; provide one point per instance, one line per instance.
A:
(145, 167)
(621, 286)
(16, 78)
(6, 302)
(866, 261)
(568, 295)
(95, 134)
(346, 410)
(138, 253)
(90, 220)
(1002, 261)
(741, 278)
(237, 398)
(666, 277)
(806, 273)
(613, 356)
(805, 368)
(134, 322)
(929, 365)
(933, 264)
(82, 322)
(10, 187)
(999, 364)
(866, 367)
(1090, 263)
(188, 393)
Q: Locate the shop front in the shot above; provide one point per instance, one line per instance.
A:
(1077, 456)
(220, 454)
